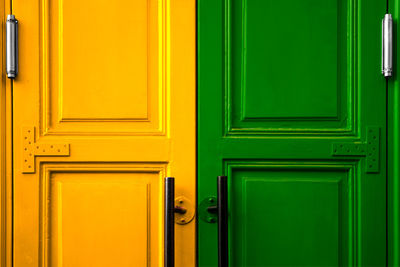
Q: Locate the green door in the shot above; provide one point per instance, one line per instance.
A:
(292, 109)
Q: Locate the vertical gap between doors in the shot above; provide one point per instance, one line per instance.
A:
(387, 169)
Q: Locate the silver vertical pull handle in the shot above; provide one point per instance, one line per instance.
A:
(12, 46)
(387, 47)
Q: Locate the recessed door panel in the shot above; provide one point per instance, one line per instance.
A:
(94, 210)
(303, 88)
(307, 210)
(119, 24)
(290, 67)
(122, 86)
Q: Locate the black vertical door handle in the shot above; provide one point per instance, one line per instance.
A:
(169, 223)
(222, 199)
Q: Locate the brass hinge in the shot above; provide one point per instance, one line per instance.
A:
(31, 149)
(369, 149)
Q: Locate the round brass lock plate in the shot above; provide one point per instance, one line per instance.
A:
(185, 204)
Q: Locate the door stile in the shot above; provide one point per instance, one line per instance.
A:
(6, 172)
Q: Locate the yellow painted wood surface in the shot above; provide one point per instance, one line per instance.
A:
(6, 153)
(114, 80)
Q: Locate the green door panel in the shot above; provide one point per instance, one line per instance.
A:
(304, 211)
(288, 68)
(281, 85)
(314, 82)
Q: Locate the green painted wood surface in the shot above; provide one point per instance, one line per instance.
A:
(394, 146)
(279, 82)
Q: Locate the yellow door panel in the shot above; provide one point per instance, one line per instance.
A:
(103, 110)
(103, 62)
(118, 203)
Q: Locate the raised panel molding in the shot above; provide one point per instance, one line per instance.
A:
(326, 195)
(66, 201)
(276, 110)
(124, 91)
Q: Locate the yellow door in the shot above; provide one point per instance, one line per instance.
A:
(103, 110)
